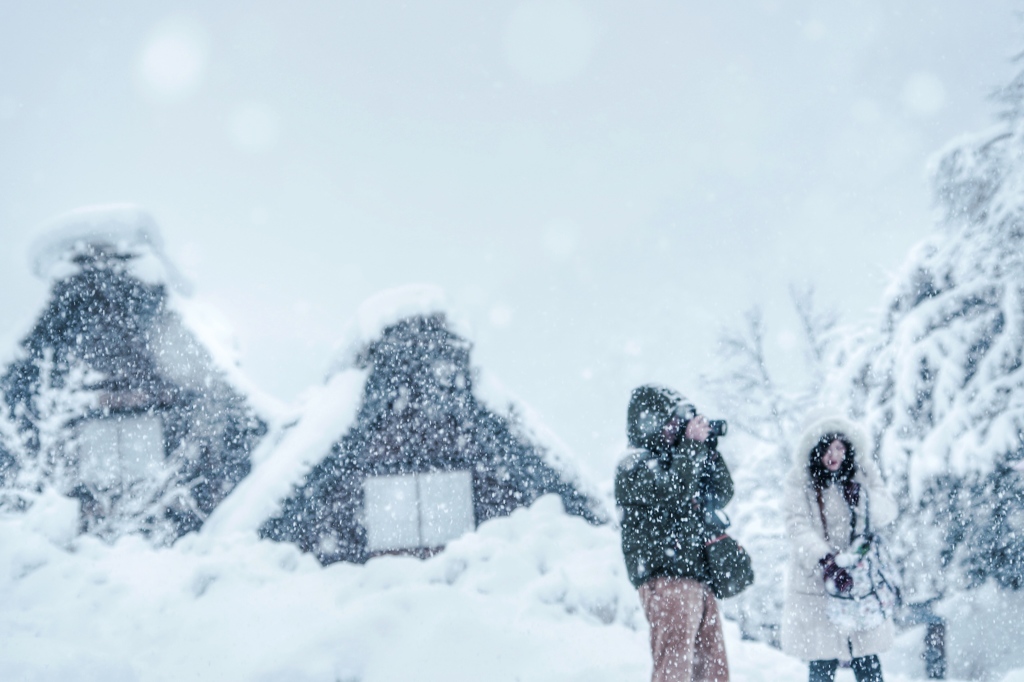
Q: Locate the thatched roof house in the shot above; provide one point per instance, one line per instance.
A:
(400, 451)
(120, 393)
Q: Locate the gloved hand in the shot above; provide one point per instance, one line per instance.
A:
(838, 575)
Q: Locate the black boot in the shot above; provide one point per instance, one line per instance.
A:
(867, 668)
(823, 671)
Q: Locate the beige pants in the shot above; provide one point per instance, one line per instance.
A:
(686, 631)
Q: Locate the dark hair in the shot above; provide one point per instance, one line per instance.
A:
(821, 477)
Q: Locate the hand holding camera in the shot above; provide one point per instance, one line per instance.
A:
(686, 422)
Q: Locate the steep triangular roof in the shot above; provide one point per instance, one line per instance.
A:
(328, 412)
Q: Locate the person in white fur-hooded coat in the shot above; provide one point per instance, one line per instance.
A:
(834, 488)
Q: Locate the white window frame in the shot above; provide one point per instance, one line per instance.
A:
(423, 508)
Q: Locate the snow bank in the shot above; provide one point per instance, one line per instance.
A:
(537, 596)
(534, 596)
(985, 631)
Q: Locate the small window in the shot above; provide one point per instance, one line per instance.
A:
(417, 510)
(392, 512)
(120, 449)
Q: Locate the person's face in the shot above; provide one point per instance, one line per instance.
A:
(834, 456)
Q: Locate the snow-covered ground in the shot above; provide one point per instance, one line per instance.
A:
(539, 595)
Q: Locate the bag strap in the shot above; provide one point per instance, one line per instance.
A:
(867, 513)
(865, 495)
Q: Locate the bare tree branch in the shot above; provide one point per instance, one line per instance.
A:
(818, 326)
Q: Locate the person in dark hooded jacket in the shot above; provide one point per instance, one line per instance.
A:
(662, 486)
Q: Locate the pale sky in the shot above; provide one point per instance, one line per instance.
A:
(598, 186)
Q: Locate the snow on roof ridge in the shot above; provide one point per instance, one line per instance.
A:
(124, 226)
(389, 307)
(216, 336)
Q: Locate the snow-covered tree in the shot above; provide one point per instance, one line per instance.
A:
(39, 451)
(11, 453)
(765, 417)
(114, 401)
(943, 388)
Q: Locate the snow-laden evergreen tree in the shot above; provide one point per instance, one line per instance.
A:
(114, 400)
(62, 398)
(11, 442)
(943, 389)
(766, 417)
(418, 413)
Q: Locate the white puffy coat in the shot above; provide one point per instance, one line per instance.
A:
(807, 633)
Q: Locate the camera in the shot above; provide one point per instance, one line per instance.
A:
(716, 429)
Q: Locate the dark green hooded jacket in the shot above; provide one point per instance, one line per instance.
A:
(663, 530)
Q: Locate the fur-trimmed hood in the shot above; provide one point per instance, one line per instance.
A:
(824, 422)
